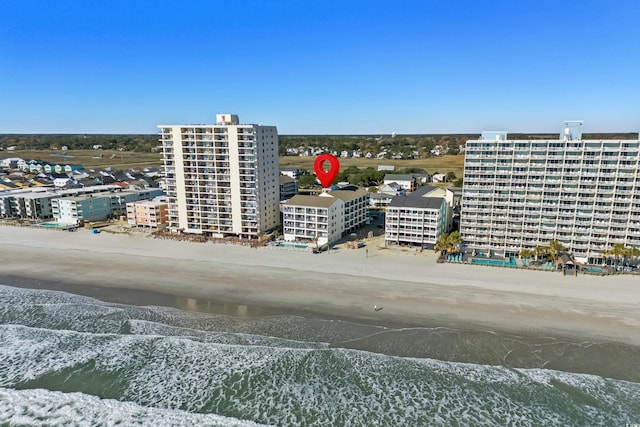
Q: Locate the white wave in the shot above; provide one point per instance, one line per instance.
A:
(38, 407)
(179, 361)
(287, 386)
(143, 327)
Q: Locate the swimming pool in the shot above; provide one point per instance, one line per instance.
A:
(593, 270)
(53, 224)
(495, 262)
(292, 246)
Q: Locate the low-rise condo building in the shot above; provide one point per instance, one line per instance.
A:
(313, 218)
(415, 220)
(520, 194)
(326, 217)
(148, 213)
(76, 210)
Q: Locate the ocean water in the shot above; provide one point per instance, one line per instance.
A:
(74, 360)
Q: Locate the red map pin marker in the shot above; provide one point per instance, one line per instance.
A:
(326, 177)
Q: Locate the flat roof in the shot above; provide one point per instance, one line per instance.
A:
(416, 202)
(347, 195)
(310, 201)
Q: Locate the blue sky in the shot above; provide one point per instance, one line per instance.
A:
(320, 67)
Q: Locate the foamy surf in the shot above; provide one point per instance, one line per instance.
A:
(38, 407)
(160, 364)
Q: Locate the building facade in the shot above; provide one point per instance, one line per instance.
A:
(307, 218)
(148, 213)
(520, 194)
(356, 207)
(35, 203)
(221, 179)
(415, 221)
(288, 187)
(327, 217)
(76, 210)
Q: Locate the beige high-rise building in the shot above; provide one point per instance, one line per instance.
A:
(222, 179)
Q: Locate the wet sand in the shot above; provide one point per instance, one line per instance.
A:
(345, 283)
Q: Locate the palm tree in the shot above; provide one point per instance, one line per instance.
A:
(455, 238)
(554, 249)
(526, 253)
(443, 243)
(634, 253)
(616, 251)
(538, 251)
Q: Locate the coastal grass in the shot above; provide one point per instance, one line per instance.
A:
(440, 164)
(96, 159)
(90, 159)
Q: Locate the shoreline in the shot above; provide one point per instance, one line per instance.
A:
(345, 284)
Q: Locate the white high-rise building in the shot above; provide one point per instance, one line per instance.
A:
(222, 179)
(520, 194)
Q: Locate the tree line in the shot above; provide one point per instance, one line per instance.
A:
(137, 143)
(365, 177)
(407, 145)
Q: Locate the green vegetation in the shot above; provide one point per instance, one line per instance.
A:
(307, 181)
(90, 159)
(620, 252)
(526, 253)
(440, 164)
(136, 143)
(551, 251)
(409, 146)
(448, 242)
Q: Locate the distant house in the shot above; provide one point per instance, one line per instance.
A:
(423, 178)
(11, 162)
(392, 189)
(65, 183)
(439, 177)
(71, 168)
(380, 200)
(291, 172)
(88, 182)
(406, 181)
(152, 172)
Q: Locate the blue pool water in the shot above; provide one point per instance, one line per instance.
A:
(292, 246)
(592, 270)
(53, 224)
(495, 262)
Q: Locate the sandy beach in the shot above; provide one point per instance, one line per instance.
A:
(344, 283)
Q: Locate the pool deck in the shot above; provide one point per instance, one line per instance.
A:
(500, 262)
